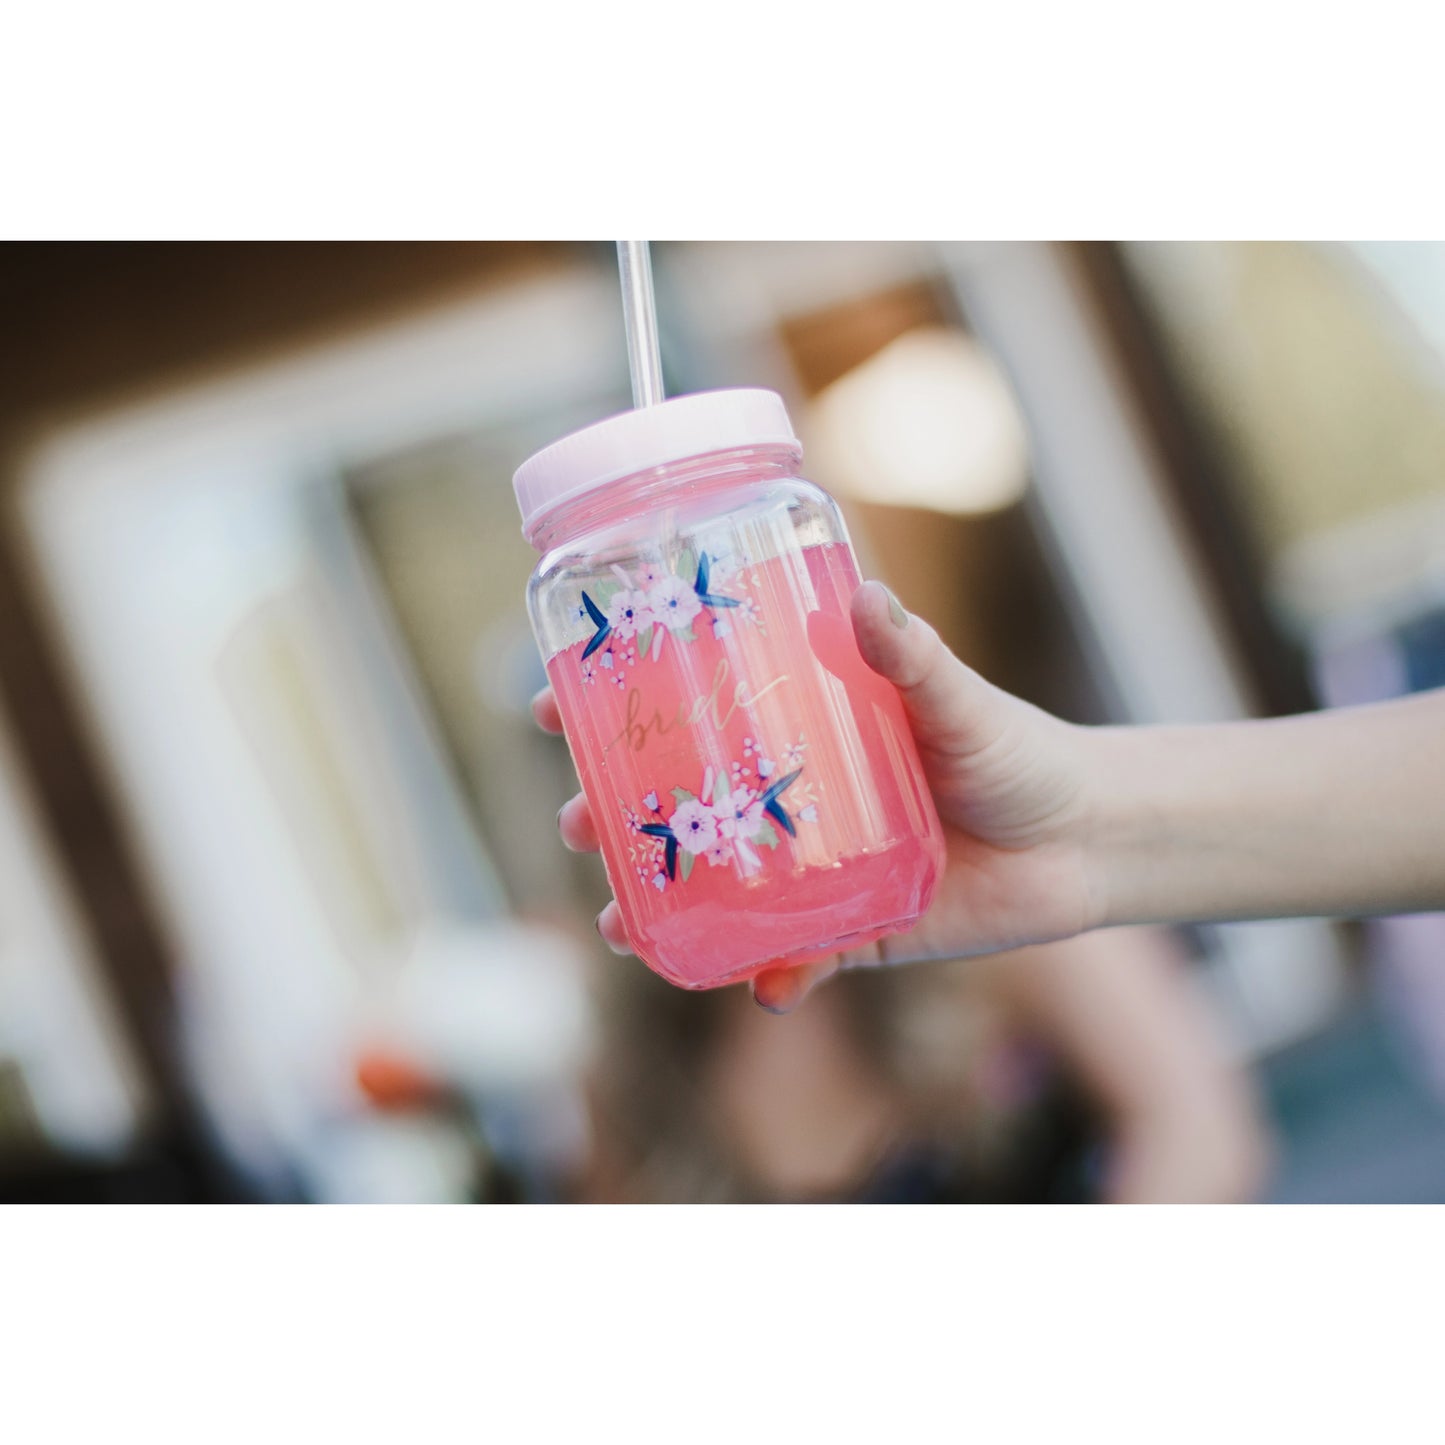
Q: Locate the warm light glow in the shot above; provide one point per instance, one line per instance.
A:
(927, 422)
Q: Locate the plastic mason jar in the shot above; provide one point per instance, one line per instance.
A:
(756, 789)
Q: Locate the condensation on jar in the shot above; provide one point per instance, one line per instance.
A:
(757, 792)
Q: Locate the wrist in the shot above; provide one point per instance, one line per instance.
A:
(1076, 823)
(1173, 823)
(1119, 839)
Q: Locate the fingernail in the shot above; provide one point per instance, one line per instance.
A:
(620, 952)
(776, 1008)
(895, 609)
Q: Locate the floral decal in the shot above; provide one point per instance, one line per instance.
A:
(634, 619)
(728, 820)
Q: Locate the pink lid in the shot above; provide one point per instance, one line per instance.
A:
(686, 426)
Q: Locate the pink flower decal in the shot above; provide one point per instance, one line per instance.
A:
(739, 813)
(655, 605)
(694, 826)
(737, 824)
(627, 613)
(673, 603)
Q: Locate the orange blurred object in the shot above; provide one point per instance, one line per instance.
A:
(393, 1082)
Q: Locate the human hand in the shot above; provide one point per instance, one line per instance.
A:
(1009, 784)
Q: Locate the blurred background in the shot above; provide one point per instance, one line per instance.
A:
(283, 912)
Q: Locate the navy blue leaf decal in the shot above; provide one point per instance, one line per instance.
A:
(604, 627)
(775, 809)
(670, 857)
(658, 830)
(708, 599)
(780, 785)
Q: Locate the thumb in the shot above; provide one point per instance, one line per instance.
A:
(950, 708)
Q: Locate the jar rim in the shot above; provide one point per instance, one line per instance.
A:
(631, 442)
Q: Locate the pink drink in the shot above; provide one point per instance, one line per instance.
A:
(755, 784)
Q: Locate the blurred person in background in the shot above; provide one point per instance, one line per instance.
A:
(985, 1081)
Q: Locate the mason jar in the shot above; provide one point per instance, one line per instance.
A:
(756, 789)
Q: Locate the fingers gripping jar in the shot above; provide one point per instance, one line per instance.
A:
(755, 786)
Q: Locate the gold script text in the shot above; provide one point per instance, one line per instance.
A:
(636, 730)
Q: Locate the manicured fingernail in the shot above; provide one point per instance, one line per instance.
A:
(895, 609)
(767, 1004)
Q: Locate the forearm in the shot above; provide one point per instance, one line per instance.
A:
(1331, 813)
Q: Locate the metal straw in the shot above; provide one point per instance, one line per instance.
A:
(639, 312)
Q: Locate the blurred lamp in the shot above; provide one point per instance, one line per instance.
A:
(929, 421)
